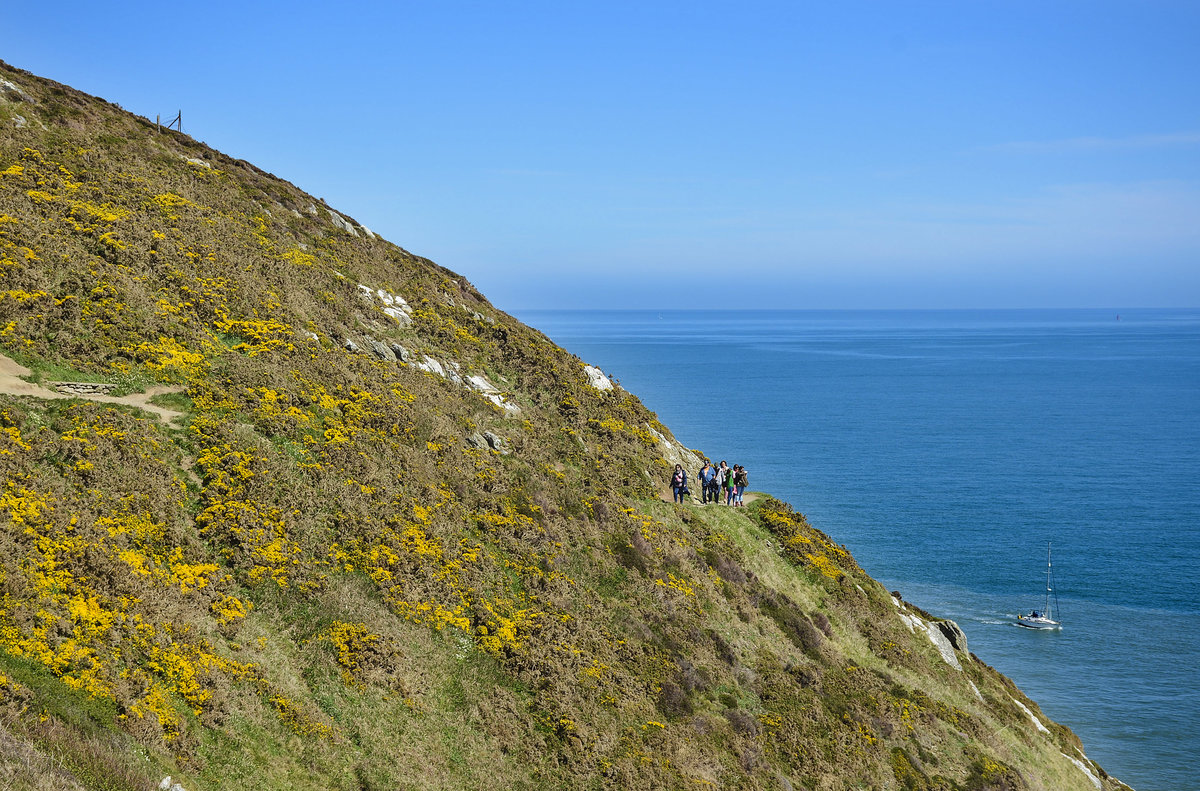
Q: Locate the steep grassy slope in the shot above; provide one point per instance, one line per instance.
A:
(397, 539)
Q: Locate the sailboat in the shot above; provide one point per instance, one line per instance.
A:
(1043, 619)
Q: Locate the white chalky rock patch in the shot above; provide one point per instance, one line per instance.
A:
(1085, 769)
(431, 365)
(674, 453)
(597, 378)
(1032, 716)
(975, 689)
(481, 384)
(341, 222)
(394, 306)
(939, 640)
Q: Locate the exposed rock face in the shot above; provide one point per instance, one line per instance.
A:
(953, 633)
(381, 350)
(489, 440)
(431, 365)
(939, 633)
(496, 443)
(10, 91)
(349, 345)
(341, 222)
(401, 353)
(675, 453)
(1091, 776)
(395, 307)
(597, 378)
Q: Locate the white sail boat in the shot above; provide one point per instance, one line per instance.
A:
(1043, 619)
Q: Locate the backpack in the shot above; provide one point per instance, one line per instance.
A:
(743, 479)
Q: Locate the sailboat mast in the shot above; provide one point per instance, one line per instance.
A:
(1049, 614)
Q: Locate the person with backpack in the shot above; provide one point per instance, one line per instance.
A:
(730, 486)
(741, 480)
(679, 484)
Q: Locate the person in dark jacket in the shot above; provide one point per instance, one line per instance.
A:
(705, 476)
(679, 484)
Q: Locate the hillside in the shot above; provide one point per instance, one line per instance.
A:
(337, 522)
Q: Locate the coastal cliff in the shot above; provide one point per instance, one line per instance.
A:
(287, 506)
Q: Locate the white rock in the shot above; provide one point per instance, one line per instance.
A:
(12, 92)
(481, 384)
(1032, 716)
(975, 689)
(942, 644)
(939, 640)
(1085, 769)
(432, 366)
(341, 222)
(200, 163)
(166, 783)
(19, 121)
(367, 231)
(597, 378)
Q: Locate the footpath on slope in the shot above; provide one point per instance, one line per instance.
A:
(11, 383)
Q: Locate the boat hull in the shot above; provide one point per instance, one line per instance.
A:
(1038, 622)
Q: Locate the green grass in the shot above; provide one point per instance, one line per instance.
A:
(664, 648)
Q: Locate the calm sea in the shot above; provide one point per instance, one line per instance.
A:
(945, 449)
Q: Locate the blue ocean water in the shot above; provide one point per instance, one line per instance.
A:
(945, 449)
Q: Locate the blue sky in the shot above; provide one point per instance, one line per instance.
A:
(700, 154)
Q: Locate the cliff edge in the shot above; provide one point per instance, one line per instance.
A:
(377, 534)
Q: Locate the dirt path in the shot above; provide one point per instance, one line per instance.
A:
(667, 496)
(11, 383)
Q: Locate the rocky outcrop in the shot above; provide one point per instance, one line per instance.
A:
(393, 306)
(597, 379)
(946, 636)
(381, 350)
(955, 634)
(341, 222)
(11, 92)
(489, 440)
(675, 453)
(83, 388)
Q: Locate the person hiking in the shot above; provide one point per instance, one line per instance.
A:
(741, 480)
(718, 482)
(714, 485)
(679, 484)
(730, 486)
(705, 476)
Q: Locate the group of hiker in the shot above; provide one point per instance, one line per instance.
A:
(713, 480)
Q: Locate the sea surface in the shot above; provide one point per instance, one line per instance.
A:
(945, 449)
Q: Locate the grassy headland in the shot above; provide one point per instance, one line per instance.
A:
(397, 539)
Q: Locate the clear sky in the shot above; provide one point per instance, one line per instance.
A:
(699, 154)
